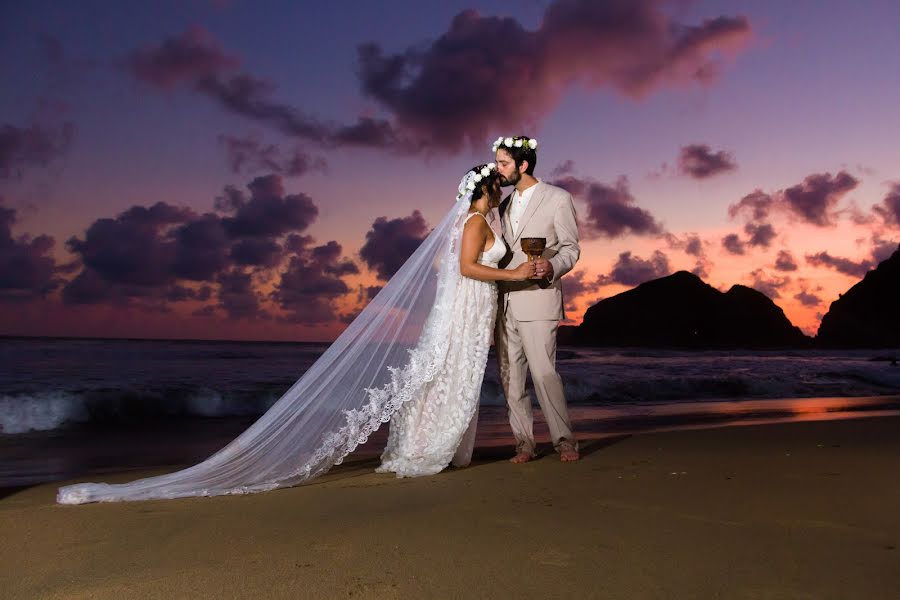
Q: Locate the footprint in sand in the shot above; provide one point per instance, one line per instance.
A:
(553, 558)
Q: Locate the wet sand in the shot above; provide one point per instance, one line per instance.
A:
(794, 510)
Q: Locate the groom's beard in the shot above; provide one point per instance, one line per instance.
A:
(516, 177)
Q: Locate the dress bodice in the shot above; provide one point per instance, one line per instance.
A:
(491, 257)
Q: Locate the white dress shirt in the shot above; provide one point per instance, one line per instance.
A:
(518, 204)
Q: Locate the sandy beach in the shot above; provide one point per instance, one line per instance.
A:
(795, 510)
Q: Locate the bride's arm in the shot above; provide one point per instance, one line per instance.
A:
(475, 234)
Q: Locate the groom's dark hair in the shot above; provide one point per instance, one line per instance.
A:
(523, 153)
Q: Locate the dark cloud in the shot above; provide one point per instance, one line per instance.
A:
(756, 206)
(193, 56)
(130, 249)
(699, 161)
(88, 287)
(391, 241)
(268, 212)
(180, 293)
(694, 246)
(32, 146)
(250, 155)
(733, 243)
(250, 97)
(256, 253)
(807, 298)
(566, 167)
(889, 209)
(785, 261)
(575, 286)
(611, 210)
(841, 265)
(883, 249)
(238, 297)
(633, 270)
(815, 199)
(760, 234)
(27, 270)
(152, 257)
(702, 267)
(466, 83)
(769, 286)
(206, 311)
(311, 283)
(201, 248)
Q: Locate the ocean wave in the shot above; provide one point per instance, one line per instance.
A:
(610, 382)
(46, 411)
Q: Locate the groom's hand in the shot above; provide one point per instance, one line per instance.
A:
(543, 269)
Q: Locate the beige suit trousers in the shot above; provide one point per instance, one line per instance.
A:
(532, 343)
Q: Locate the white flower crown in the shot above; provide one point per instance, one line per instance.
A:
(515, 142)
(471, 179)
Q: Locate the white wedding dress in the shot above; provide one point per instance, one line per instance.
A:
(414, 356)
(437, 427)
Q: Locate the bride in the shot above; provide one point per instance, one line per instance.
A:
(415, 356)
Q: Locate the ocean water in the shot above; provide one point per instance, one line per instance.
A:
(75, 406)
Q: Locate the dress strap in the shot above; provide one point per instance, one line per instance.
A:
(472, 214)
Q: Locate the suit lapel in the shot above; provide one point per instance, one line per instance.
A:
(536, 198)
(505, 226)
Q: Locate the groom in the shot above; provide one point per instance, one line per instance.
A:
(529, 311)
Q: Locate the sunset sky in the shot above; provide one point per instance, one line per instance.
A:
(237, 170)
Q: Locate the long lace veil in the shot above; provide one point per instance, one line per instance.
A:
(383, 358)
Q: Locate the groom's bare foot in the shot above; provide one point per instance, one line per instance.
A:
(521, 457)
(568, 453)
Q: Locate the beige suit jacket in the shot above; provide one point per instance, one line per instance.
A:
(550, 214)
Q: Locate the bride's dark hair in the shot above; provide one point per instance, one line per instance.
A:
(486, 182)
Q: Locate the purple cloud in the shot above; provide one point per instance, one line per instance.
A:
(575, 286)
(633, 270)
(694, 246)
(785, 261)
(756, 205)
(32, 146)
(733, 243)
(814, 200)
(193, 56)
(889, 209)
(27, 270)
(566, 167)
(268, 212)
(611, 211)
(760, 234)
(769, 286)
(311, 283)
(465, 84)
(254, 252)
(248, 155)
(390, 242)
(807, 298)
(841, 265)
(153, 256)
(237, 296)
(699, 161)
(883, 249)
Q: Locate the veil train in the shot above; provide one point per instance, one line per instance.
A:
(384, 357)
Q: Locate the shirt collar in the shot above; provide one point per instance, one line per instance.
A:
(524, 196)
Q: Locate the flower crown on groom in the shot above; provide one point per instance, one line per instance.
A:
(519, 141)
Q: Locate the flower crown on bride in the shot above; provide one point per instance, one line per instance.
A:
(474, 177)
(518, 141)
